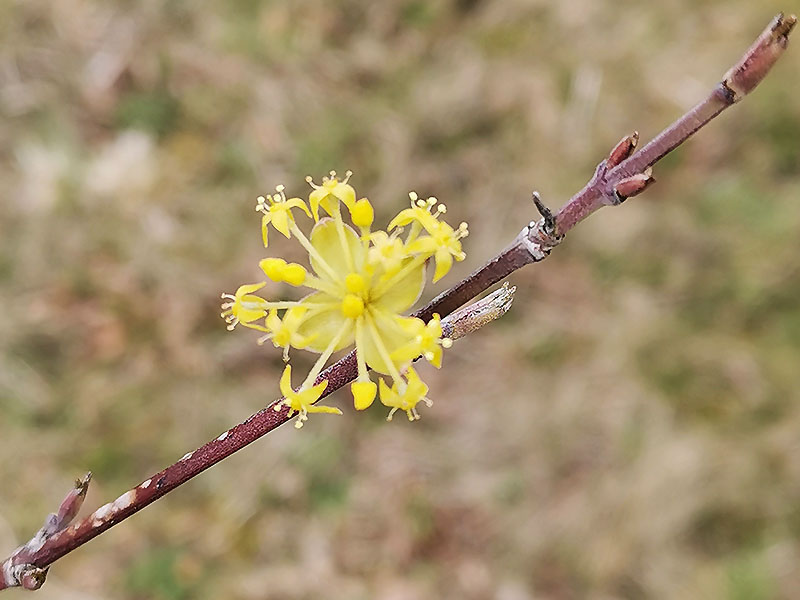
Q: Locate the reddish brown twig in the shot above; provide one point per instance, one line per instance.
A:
(621, 175)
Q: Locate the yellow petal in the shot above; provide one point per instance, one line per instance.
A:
(403, 218)
(273, 321)
(321, 196)
(422, 245)
(264, 228)
(317, 408)
(326, 240)
(392, 337)
(286, 382)
(444, 260)
(322, 325)
(389, 395)
(280, 221)
(345, 193)
(297, 203)
(404, 292)
(410, 350)
(436, 359)
(416, 387)
(249, 288)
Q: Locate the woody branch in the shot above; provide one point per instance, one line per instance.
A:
(624, 173)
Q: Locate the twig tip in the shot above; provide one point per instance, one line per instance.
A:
(82, 484)
(745, 75)
(782, 25)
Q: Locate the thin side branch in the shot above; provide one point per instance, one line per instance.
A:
(623, 174)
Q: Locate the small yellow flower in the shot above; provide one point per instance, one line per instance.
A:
(283, 332)
(388, 251)
(330, 193)
(426, 341)
(443, 242)
(419, 213)
(244, 307)
(277, 210)
(302, 401)
(405, 395)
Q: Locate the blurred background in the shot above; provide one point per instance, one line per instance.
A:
(630, 430)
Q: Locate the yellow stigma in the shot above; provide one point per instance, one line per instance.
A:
(355, 284)
(352, 306)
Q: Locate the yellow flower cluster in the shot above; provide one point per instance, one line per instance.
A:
(361, 282)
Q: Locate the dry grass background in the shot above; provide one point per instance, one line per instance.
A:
(630, 430)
